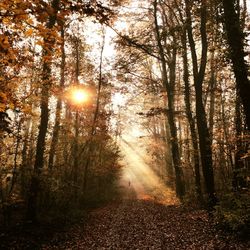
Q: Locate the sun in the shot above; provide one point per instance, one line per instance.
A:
(79, 96)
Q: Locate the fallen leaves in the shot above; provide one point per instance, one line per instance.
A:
(140, 224)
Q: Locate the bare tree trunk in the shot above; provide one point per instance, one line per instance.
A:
(238, 180)
(40, 147)
(190, 118)
(96, 114)
(199, 74)
(179, 179)
(56, 128)
(18, 120)
(75, 153)
(25, 154)
(235, 40)
(212, 95)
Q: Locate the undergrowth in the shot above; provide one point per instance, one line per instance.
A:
(233, 213)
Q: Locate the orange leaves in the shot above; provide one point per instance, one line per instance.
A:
(2, 107)
(29, 32)
(4, 42)
(6, 21)
(3, 100)
(3, 97)
(39, 42)
(61, 16)
(47, 58)
(27, 109)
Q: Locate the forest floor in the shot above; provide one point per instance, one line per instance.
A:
(131, 224)
(148, 216)
(142, 224)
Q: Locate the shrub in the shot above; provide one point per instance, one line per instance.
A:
(233, 213)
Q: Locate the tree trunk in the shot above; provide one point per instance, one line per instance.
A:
(40, 147)
(179, 180)
(96, 114)
(190, 118)
(56, 128)
(238, 180)
(235, 40)
(199, 74)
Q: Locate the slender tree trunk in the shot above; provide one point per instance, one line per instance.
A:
(190, 118)
(179, 179)
(212, 94)
(56, 128)
(25, 154)
(199, 74)
(75, 170)
(18, 120)
(238, 181)
(96, 114)
(40, 147)
(235, 40)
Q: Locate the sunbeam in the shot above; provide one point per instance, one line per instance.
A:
(139, 177)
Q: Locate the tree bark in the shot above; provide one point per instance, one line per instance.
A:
(56, 128)
(179, 179)
(96, 114)
(40, 147)
(235, 40)
(205, 142)
(190, 118)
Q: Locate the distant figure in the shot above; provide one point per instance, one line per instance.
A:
(129, 183)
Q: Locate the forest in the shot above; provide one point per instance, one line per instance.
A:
(124, 124)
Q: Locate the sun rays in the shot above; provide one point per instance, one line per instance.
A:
(140, 178)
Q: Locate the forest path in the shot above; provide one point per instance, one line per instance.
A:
(148, 217)
(138, 180)
(140, 224)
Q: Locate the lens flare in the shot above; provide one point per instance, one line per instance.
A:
(79, 96)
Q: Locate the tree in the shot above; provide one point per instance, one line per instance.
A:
(235, 40)
(189, 114)
(169, 83)
(56, 128)
(205, 142)
(48, 44)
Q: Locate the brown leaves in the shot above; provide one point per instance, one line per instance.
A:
(147, 225)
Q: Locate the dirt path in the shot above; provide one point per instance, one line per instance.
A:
(135, 224)
(148, 217)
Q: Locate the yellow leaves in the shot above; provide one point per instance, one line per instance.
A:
(11, 106)
(57, 53)
(27, 109)
(29, 21)
(28, 32)
(6, 21)
(18, 1)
